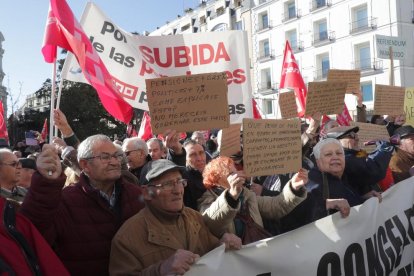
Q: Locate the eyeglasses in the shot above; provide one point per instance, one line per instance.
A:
(351, 135)
(106, 157)
(12, 164)
(127, 153)
(169, 185)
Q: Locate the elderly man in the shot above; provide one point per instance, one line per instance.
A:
(136, 151)
(155, 148)
(364, 170)
(26, 172)
(193, 156)
(165, 238)
(10, 169)
(403, 160)
(81, 220)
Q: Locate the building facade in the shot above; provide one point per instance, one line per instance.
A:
(329, 34)
(3, 91)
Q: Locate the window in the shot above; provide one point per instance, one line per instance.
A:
(291, 9)
(238, 25)
(263, 21)
(220, 11)
(366, 89)
(322, 30)
(292, 38)
(264, 48)
(325, 66)
(203, 20)
(220, 27)
(363, 56)
(322, 66)
(359, 18)
(267, 106)
(320, 3)
(266, 79)
(185, 27)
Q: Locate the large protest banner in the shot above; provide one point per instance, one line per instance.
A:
(133, 58)
(376, 239)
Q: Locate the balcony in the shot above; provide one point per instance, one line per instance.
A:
(368, 65)
(265, 55)
(296, 45)
(365, 24)
(320, 74)
(265, 26)
(268, 88)
(290, 15)
(319, 4)
(323, 38)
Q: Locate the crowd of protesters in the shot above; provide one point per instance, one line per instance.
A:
(135, 207)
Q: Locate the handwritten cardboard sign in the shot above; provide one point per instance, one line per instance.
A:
(369, 132)
(287, 104)
(189, 102)
(389, 100)
(230, 140)
(409, 106)
(271, 146)
(326, 97)
(352, 77)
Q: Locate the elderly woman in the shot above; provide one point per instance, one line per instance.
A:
(228, 206)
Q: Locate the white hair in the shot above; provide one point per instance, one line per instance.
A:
(3, 151)
(138, 144)
(318, 147)
(85, 148)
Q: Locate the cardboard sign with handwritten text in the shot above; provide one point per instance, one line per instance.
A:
(352, 77)
(389, 100)
(271, 146)
(287, 104)
(370, 132)
(230, 140)
(189, 102)
(409, 106)
(326, 97)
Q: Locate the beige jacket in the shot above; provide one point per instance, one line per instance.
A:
(219, 215)
(142, 243)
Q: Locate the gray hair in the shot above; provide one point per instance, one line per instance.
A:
(3, 151)
(138, 144)
(318, 147)
(156, 140)
(85, 148)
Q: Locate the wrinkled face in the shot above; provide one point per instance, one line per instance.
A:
(351, 141)
(166, 199)
(407, 144)
(332, 160)
(136, 157)
(154, 150)
(10, 169)
(196, 157)
(103, 171)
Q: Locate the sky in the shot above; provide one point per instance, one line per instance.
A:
(23, 25)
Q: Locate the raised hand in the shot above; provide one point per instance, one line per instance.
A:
(48, 162)
(172, 140)
(236, 181)
(300, 179)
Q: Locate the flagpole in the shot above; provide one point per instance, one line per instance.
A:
(58, 101)
(52, 100)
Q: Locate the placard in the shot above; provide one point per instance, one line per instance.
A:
(389, 100)
(409, 106)
(325, 97)
(189, 102)
(352, 77)
(287, 104)
(230, 140)
(398, 44)
(271, 146)
(370, 132)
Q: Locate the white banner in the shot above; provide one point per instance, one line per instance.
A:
(133, 58)
(376, 239)
(399, 47)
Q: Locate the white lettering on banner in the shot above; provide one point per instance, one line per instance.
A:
(376, 239)
(131, 59)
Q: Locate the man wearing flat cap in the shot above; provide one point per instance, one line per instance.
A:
(403, 160)
(364, 170)
(165, 238)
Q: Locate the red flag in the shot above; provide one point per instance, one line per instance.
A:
(291, 78)
(3, 128)
(256, 113)
(145, 130)
(131, 131)
(344, 118)
(322, 131)
(44, 131)
(65, 31)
